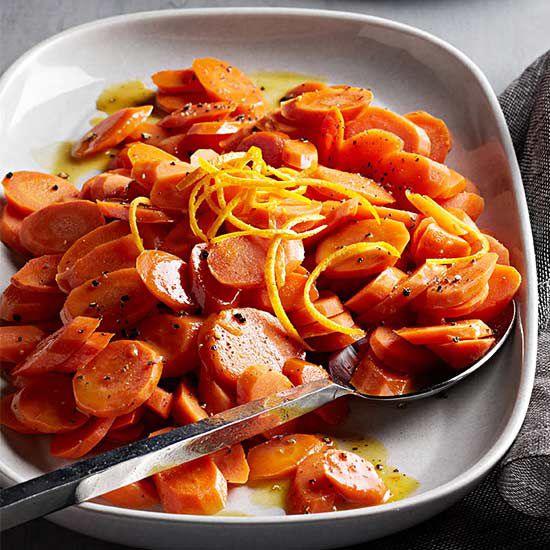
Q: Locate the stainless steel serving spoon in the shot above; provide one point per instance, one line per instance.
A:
(93, 477)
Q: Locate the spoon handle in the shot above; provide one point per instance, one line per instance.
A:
(93, 477)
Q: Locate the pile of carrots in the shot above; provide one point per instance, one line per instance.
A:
(225, 254)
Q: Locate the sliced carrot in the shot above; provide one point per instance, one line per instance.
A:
(403, 293)
(355, 182)
(328, 304)
(150, 133)
(128, 419)
(371, 377)
(111, 131)
(415, 139)
(120, 379)
(109, 185)
(310, 491)
(315, 329)
(47, 405)
(464, 310)
(160, 402)
(120, 300)
(456, 184)
(177, 241)
(440, 137)
(279, 457)
(436, 242)
(225, 82)
(184, 118)
(93, 346)
(120, 210)
(185, 406)
(24, 306)
(209, 135)
(165, 276)
(330, 137)
(354, 478)
(79, 442)
(410, 219)
(392, 232)
(139, 495)
(258, 381)
(54, 350)
(503, 285)
(175, 337)
(311, 107)
(28, 192)
(309, 86)
(301, 372)
(10, 229)
(460, 355)
(165, 193)
(233, 464)
(197, 487)
(8, 419)
(396, 353)
(270, 143)
(299, 154)
(177, 81)
(375, 291)
(214, 397)
(120, 253)
(207, 292)
(499, 249)
(332, 342)
(16, 342)
(175, 102)
(444, 334)
(38, 275)
(126, 435)
(472, 203)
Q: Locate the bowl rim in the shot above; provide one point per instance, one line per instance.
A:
(473, 474)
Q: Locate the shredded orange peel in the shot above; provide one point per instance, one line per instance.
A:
(132, 220)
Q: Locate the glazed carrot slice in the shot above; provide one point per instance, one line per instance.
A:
(148, 132)
(120, 300)
(499, 249)
(175, 337)
(225, 82)
(18, 305)
(209, 135)
(16, 342)
(415, 139)
(328, 304)
(8, 419)
(129, 419)
(79, 442)
(316, 329)
(396, 353)
(354, 478)
(464, 310)
(354, 182)
(375, 291)
(233, 464)
(462, 282)
(185, 406)
(90, 241)
(197, 487)
(93, 346)
(47, 405)
(111, 131)
(310, 491)
(120, 253)
(311, 107)
(371, 377)
(120, 379)
(301, 372)
(175, 102)
(28, 192)
(126, 435)
(207, 292)
(177, 81)
(309, 86)
(332, 342)
(10, 229)
(54, 228)
(331, 137)
(165, 276)
(139, 495)
(299, 154)
(471, 329)
(184, 118)
(440, 137)
(464, 353)
(503, 285)
(279, 457)
(403, 293)
(120, 210)
(165, 193)
(109, 185)
(54, 350)
(419, 231)
(38, 275)
(455, 185)
(435, 242)
(160, 402)
(259, 381)
(410, 219)
(271, 144)
(142, 152)
(392, 232)
(214, 397)
(472, 203)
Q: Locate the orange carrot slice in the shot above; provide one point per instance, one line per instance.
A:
(440, 137)
(460, 355)
(8, 419)
(301, 372)
(299, 154)
(471, 329)
(16, 342)
(18, 305)
(259, 381)
(177, 81)
(140, 495)
(185, 406)
(472, 203)
(38, 275)
(233, 464)
(214, 397)
(271, 144)
(79, 442)
(160, 402)
(120, 210)
(184, 118)
(10, 229)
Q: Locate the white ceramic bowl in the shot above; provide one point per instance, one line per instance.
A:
(447, 444)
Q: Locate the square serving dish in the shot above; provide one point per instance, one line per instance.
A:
(449, 444)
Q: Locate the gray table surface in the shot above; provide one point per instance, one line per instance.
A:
(501, 36)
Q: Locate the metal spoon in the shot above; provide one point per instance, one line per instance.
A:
(93, 477)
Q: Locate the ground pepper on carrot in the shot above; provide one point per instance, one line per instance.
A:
(227, 246)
